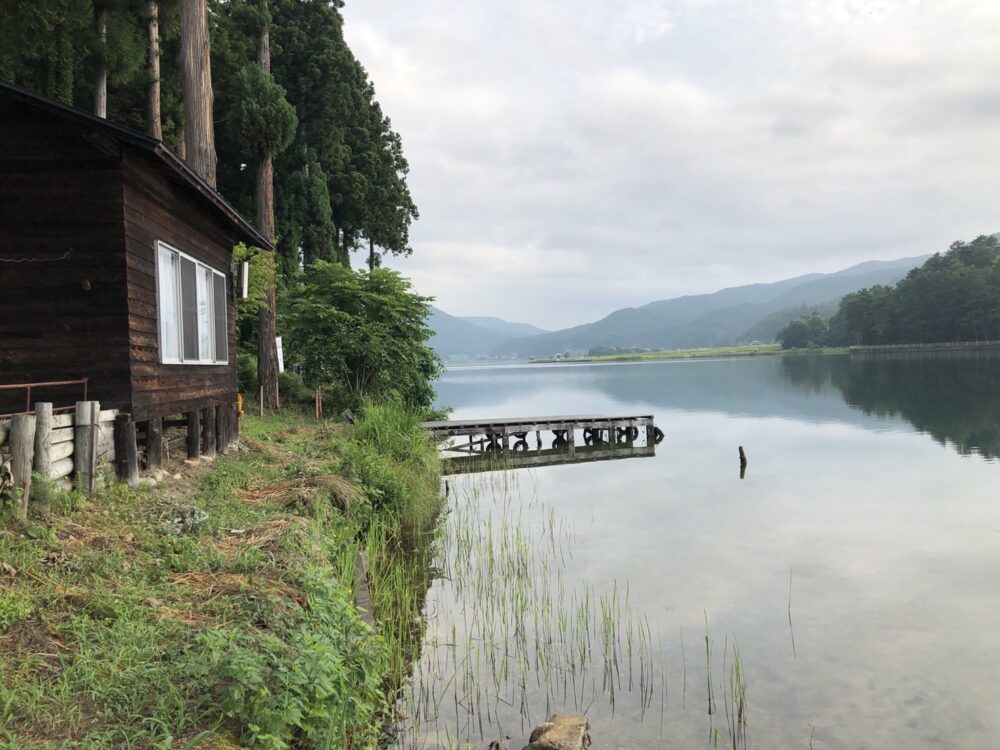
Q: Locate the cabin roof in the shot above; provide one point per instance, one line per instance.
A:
(161, 154)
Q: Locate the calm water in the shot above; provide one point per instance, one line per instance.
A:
(857, 565)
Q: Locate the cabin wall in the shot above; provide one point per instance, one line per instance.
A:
(63, 312)
(158, 210)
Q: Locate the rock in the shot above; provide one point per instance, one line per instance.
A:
(159, 475)
(177, 476)
(192, 462)
(561, 732)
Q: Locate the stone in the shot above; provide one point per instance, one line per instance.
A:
(561, 732)
(192, 462)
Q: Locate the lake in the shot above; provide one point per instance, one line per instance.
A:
(845, 593)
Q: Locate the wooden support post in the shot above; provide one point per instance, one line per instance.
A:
(22, 449)
(194, 435)
(85, 436)
(538, 439)
(571, 438)
(43, 440)
(126, 451)
(222, 429)
(234, 435)
(154, 444)
(650, 434)
(208, 432)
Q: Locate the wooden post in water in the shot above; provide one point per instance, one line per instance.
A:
(43, 439)
(154, 444)
(208, 432)
(743, 463)
(126, 451)
(22, 449)
(194, 435)
(571, 439)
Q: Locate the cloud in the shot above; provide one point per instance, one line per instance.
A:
(570, 157)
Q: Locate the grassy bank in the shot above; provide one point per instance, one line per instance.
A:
(755, 350)
(216, 610)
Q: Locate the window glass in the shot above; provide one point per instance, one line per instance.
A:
(167, 281)
(206, 349)
(221, 334)
(189, 308)
(192, 309)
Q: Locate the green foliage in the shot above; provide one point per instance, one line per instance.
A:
(261, 273)
(14, 607)
(293, 390)
(954, 296)
(247, 373)
(364, 333)
(320, 684)
(808, 331)
(142, 620)
(262, 121)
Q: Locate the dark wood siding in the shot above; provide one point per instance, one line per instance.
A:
(159, 210)
(61, 203)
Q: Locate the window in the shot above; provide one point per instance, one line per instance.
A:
(192, 299)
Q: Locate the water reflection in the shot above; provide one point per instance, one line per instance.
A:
(527, 458)
(879, 544)
(954, 398)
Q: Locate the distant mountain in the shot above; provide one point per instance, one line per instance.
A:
(730, 316)
(511, 330)
(472, 337)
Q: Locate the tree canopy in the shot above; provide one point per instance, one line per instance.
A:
(953, 296)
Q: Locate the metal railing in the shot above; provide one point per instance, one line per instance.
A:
(48, 384)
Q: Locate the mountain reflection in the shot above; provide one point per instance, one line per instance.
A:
(954, 398)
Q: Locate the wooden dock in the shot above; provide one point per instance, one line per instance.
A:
(597, 429)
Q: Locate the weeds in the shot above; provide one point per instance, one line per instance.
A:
(220, 609)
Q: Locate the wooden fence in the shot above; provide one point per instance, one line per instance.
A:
(63, 448)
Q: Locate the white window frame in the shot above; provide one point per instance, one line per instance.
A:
(179, 311)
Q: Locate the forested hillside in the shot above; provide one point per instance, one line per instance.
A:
(954, 296)
(730, 316)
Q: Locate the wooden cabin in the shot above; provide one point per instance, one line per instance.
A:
(116, 267)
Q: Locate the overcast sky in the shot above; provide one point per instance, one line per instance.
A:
(570, 157)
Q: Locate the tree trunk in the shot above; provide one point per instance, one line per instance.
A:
(196, 83)
(371, 254)
(267, 353)
(101, 82)
(153, 118)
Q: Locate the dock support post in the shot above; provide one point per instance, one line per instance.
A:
(571, 439)
(154, 444)
(85, 432)
(208, 432)
(650, 434)
(22, 449)
(194, 435)
(43, 439)
(126, 452)
(538, 439)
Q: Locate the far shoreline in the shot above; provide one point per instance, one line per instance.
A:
(720, 352)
